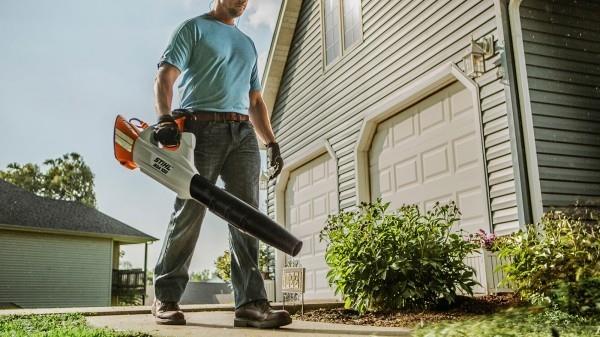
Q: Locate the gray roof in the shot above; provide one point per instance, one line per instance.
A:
(23, 210)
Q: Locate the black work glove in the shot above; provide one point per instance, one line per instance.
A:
(166, 131)
(274, 160)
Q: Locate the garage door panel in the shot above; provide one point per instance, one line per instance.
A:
(303, 181)
(321, 283)
(460, 102)
(435, 163)
(319, 172)
(319, 205)
(307, 248)
(431, 117)
(465, 152)
(320, 246)
(309, 227)
(333, 201)
(385, 180)
(309, 286)
(468, 201)
(305, 211)
(293, 216)
(407, 174)
(438, 157)
(432, 200)
(404, 130)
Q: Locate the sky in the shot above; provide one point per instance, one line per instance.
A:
(70, 66)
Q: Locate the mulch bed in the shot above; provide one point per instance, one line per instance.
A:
(464, 307)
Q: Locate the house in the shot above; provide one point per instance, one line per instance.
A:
(492, 103)
(59, 253)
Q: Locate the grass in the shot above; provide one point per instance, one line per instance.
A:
(63, 325)
(517, 322)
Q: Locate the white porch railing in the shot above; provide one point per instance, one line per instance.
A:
(487, 272)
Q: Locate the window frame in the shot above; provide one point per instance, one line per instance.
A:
(340, 31)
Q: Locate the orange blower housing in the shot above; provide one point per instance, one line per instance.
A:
(125, 135)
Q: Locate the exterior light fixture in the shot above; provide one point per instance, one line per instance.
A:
(478, 51)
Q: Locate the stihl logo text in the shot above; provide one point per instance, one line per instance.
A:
(161, 165)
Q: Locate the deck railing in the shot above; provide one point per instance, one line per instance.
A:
(129, 284)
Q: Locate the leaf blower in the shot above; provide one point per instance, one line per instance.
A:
(135, 147)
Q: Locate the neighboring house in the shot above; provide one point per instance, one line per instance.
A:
(57, 253)
(381, 99)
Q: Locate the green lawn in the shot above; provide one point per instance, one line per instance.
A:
(66, 325)
(517, 323)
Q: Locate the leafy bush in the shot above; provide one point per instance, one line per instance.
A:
(558, 249)
(383, 261)
(580, 297)
(223, 266)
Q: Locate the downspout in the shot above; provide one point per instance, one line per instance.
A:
(514, 114)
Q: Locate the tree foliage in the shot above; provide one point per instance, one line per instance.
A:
(65, 178)
(223, 266)
(266, 263)
(204, 275)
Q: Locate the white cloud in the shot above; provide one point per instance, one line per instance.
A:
(263, 12)
(262, 60)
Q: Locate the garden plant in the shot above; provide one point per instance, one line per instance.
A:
(556, 262)
(382, 260)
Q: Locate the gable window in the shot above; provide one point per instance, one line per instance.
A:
(343, 27)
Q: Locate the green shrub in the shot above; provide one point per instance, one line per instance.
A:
(558, 249)
(580, 297)
(384, 261)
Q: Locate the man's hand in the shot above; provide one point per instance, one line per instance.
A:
(274, 160)
(166, 131)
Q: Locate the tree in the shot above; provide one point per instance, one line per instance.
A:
(66, 178)
(204, 275)
(223, 265)
(266, 263)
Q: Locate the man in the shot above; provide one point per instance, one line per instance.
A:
(221, 99)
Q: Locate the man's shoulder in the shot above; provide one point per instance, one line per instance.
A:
(248, 38)
(197, 21)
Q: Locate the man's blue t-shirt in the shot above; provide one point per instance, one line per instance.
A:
(218, 65)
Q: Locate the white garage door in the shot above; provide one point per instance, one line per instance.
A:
(310, 196)
(432, 152)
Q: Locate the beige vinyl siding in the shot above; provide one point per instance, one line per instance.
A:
(46, 270)
(562, 54)
(402, 40)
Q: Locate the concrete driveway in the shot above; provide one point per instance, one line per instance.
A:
(219, 324)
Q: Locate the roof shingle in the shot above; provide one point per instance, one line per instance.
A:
(21, 209)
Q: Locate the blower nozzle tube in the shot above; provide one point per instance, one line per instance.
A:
(243, 216)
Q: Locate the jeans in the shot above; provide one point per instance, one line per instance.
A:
(229, 150)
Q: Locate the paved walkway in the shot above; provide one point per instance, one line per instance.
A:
(220, 324)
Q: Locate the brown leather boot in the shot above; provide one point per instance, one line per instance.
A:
(259, 314)
(167, 313)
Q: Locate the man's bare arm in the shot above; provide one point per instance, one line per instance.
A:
(163, 88)
(259, 116)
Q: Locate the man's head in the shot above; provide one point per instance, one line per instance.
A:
(231, 8)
